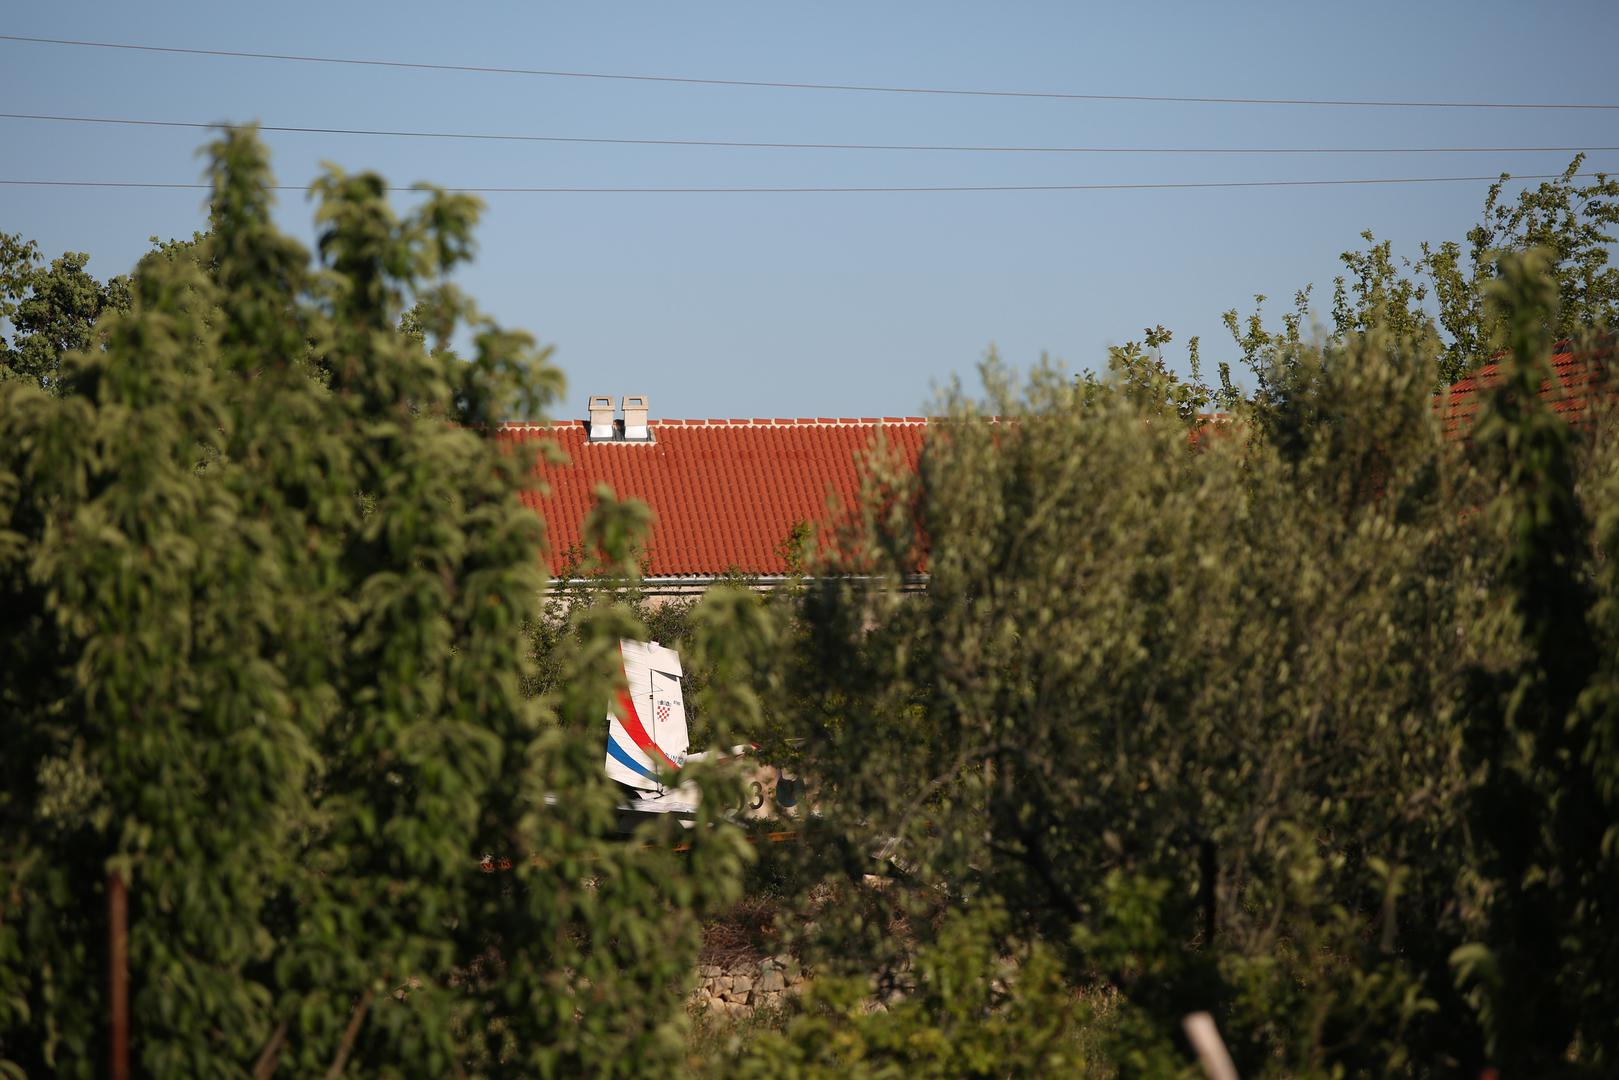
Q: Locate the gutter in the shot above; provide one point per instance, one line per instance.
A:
(695, 584)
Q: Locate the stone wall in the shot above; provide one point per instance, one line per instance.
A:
(743, 986)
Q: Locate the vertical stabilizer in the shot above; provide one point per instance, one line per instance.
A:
(646, 734)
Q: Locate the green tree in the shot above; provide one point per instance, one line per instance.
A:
(264, 570)
(1571, 224)
(970, 1011)
(1540, 731)
(1271, 723)
(51, 310)
(1137, 369)
(1446, 289)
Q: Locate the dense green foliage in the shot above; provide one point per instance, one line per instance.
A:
(1308, 718)
(973, 1011)
(52, 310)
(1443, 293)
(263, 584)
(1306, 721)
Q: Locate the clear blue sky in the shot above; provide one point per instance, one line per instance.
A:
(825, 304)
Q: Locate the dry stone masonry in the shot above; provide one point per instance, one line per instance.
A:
(743, 987)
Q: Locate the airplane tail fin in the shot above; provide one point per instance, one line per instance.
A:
(647, 738)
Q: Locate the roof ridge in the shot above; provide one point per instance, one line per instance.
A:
(744, 421)
(786, 421)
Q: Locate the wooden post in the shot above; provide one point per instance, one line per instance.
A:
(118, 976)
(1210, 1048)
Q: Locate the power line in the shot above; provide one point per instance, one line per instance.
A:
(755, 145)
(806, 190)
(767, 84)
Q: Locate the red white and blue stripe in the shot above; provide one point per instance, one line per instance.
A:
(639, 753)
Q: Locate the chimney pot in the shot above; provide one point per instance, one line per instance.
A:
(601, 418)
(635, 418)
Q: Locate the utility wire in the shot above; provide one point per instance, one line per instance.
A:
(836, 190)
(751, 145)
(761, 83)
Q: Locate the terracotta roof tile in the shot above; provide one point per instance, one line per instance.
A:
(1577, 379)
(725, 493)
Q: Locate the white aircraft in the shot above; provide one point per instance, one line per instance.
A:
(647, 740)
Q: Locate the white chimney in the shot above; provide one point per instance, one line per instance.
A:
(601, 418)
(635, 418)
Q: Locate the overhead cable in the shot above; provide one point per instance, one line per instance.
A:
(777, 85)
(757, 145)
(828, 190)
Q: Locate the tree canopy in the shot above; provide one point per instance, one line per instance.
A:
(264, 575)
(1308, 725)
(1442, 293)
(1307, 718)
(52, 310)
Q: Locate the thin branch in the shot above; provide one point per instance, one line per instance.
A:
(270, 1056)
(351, 1033)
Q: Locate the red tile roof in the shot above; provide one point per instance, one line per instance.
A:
(726, 493)
(1578, 380)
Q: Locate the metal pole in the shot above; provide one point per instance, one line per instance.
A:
(118, 976)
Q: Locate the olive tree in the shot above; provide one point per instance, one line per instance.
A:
(1297, 718)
